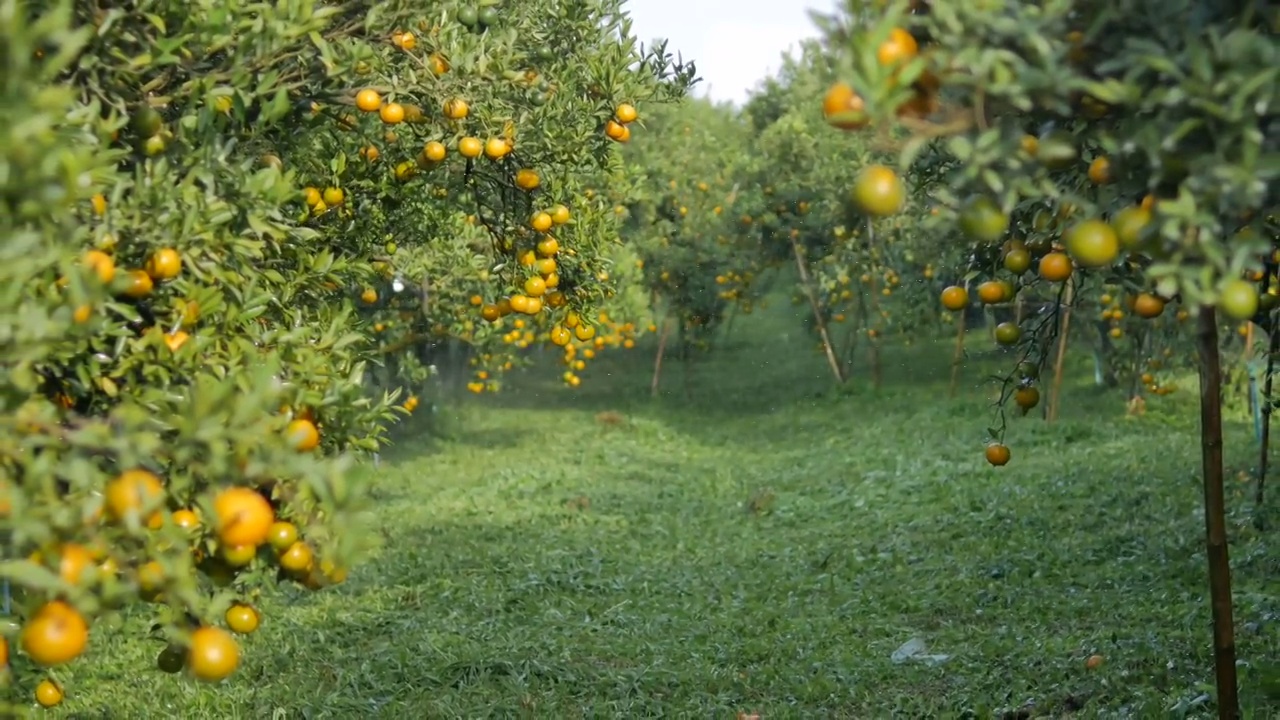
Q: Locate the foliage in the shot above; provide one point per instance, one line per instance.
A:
(218, 218)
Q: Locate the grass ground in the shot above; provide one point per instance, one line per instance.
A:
(876, 521)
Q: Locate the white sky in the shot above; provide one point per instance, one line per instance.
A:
(734, 43)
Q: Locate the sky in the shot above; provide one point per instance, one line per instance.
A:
(734, 43)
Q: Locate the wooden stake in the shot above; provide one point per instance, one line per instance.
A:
(1215, 523)
(1059, 366)
(837, 368)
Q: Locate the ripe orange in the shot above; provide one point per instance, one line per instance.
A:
(470, 147)
(535, 287)
(456, 109)
(302, 435)
(1055, 267)
(955, 298)
(369, 296)
(139, 286)
(615, 130)
(560, 335)
(1027, 397)
(496, 148)
(368, 100)
(73, 561)
(212, 654)
(243, 516)
(130, 492)
(1147, 305)
(991, 292)
(1093, 662)
(584, 332)
(878, 191)
(391, 113)
(48, 694)
(998, 455)
(527, 179)
(541, 221)
(1100, 170)
(57, 633)
(897, 49)
(1092, 244)
(101, 265)
(626, 113)
(241, 618)
(185, 519)
(843, 108)
(298, 558)
(560, 214)
(175, 340)
(434, 151)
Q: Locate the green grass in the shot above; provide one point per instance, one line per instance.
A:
(667, 597)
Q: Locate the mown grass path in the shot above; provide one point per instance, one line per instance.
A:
(763, 546)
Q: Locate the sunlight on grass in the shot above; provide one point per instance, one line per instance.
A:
(767, 546)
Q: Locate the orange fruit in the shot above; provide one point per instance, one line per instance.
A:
(1238, 299)
(298, 558)
(1055, 267)
(1130, 224)
(998, 455)
(991, 292)
(185, 519)
(57, 633)
(140, 285)
(843, 108)
(470, 147)
(302, 435)
(626, 113)
(212, 654)
(434, 151)
(456, 109)
(1008, 333)
(527, 179)
(955, 298)
(1093, 662)
(496, 148)
(241, 618)
(1017, 261)
(615, 130)
(982, 220)
(164, 264)
(1092, 244)
(535, 287)
(878, 191)
(1147, 305)
(391, 113)
(368, 100)
(101, 265)
(243, 516)
(1100, 170)
(560, 214)
(897, 49)
(1026, 397)
(48, 694)
(73, 560)
(130, 492)
(282, 535)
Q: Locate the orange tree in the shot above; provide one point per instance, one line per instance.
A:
(853, 270)
(1130, 141)
(687, 193)
(217, 218)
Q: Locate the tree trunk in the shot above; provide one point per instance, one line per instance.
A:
(958, 357)
(837, 368)
(657, 359)
(1224, 645)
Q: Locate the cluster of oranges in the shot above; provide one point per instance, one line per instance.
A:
(618, 127)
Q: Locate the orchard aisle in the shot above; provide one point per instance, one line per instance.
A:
(770, 552)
